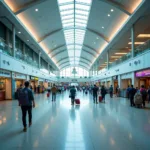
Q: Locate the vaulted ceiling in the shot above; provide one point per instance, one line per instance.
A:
(73, 32)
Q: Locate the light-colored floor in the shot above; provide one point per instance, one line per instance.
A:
(59, 126)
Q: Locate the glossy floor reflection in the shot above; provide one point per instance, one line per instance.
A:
(59, 126)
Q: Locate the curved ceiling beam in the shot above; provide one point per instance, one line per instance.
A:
(60, 46)
(99, 34)
(59, 52)
(90, 48)
(75, 66)
(91, 30)
(48, 34)
(28, 5)
(72, 61)
(73, 57)
(118, 5)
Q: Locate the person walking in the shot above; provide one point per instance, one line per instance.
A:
(95, 93)
(132, 92)
(144, 94)
(103, 93)
(148, 91)
(111, 91)
(72, 94)
(128, 89)
(54, 91)
(26, 100)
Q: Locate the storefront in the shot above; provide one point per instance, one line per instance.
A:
(115, 82)
(19, 79)
(45, 83)
(34, 83)
(143, 78)
(5, 85)
(126, 80)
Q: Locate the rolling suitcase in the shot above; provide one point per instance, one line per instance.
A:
(77, 101)
(100, 99)
(48, 94)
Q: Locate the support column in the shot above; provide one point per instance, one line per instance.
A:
(48, 68)
(132, 41)
(119, 82)
(13, 40)
(39, 59)
(107, 60)
(23, 51)
(134, 80)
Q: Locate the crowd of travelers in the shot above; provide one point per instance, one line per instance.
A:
(24, 94)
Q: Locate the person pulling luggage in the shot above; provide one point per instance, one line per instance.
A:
(103, 93)
(144, 94)
(72, 94)
(132, 92)
(95, 93)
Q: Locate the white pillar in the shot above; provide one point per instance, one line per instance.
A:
(119, 82)
(132, 40)
(39, 59)
(14, 40)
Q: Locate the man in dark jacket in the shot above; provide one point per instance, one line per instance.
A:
(111, 91)
(103, 93)
(72, 94)
(95, 91)
(132, 92)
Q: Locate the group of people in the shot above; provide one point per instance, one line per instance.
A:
(138, 96)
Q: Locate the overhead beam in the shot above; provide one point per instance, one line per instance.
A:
(73, 57)
(59, 52)
(28, 5)
(90, 48)
(118, 5)
(48, 35)
(72, 61)
(75, 66)
(59, 46)
(99, 34)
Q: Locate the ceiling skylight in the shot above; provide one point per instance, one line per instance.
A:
(74, 16)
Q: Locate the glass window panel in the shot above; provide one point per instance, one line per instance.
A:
(63, 7)
(67, 17)
(80, 24)
(68, 24)
(81, 12)
(85, 7)
(80, 20)
(69, 20)
(67, 12)
(65, 1)
(70, 46)
(77, 53)
(84, 1)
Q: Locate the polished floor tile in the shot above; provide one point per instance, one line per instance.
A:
(59, 126)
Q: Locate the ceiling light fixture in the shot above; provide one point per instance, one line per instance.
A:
(120, 53)
(136, 43)
(97, 38)
(36, 9)
(94, 42)
(143, 36)
(102, 27)
(27, 40)
(112, 10)
(108, 15)
(19, 32)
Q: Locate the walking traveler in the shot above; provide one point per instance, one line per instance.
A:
(111, 91)
(132, 92)
(72, 94)
(148, 91)
(26, 100)
(95, 93)
(54, 91)
(103, 93)
(144, 94)
(128, 89)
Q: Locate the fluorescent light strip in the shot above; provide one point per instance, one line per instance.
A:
(82, 8)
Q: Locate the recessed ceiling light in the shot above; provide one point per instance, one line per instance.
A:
(108, 15)
(112, 10)
(27, 40)
(19, 32)
(97, 38)
(102, 27)
(36, 9)
(94, 42)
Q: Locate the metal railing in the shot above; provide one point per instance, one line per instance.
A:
(142, 48)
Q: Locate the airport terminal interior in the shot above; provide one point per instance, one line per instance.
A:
(74, 74)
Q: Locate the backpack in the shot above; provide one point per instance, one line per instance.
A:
(144, 93)
(23, 97)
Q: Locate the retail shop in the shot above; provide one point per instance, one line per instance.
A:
(19, 79)
(126, 80)
(45, 83)
(143, 78)
(34, 83)
(5, 85)
(115, 82)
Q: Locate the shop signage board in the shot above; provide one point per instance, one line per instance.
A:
(143, 73)
(34, 78)
(19, 76)
(5, 73)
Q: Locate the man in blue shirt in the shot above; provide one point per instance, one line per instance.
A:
(26, 99)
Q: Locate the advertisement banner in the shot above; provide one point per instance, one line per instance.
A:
(143, 73)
